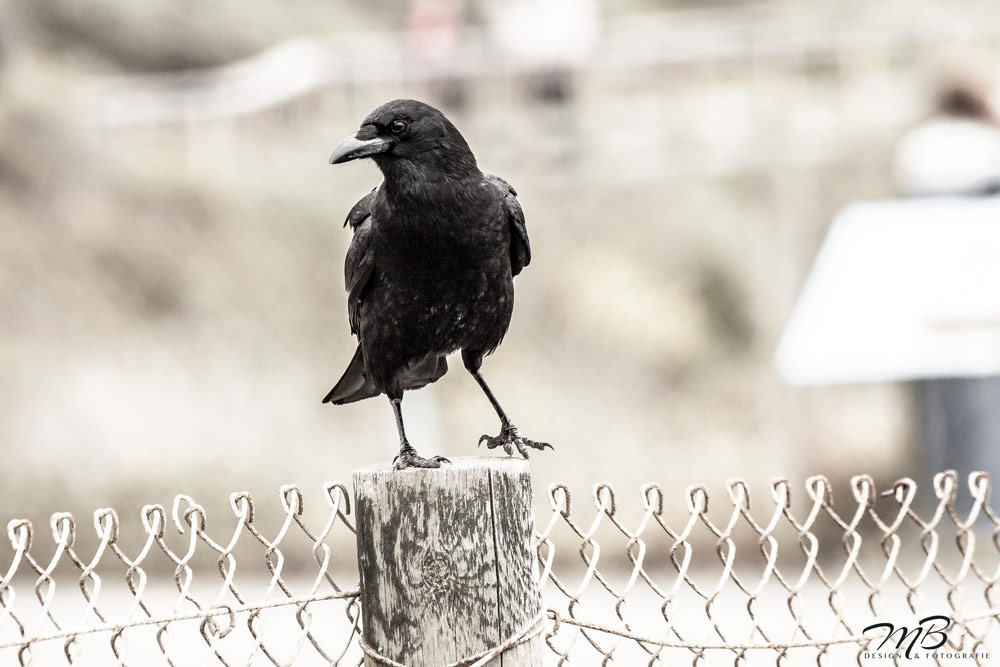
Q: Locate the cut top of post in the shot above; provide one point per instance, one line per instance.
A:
(506, 464)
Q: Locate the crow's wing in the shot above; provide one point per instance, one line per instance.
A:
(520, 250)
(358, 266)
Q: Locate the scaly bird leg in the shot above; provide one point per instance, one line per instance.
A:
(408, 457)
(508, 437)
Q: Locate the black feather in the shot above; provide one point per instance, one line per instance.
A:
(354, 385)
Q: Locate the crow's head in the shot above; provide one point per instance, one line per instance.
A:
(405, 134)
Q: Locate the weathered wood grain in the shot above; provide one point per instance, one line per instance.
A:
(446, 561)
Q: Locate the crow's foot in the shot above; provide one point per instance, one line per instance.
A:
(408, 458)
(509, 438)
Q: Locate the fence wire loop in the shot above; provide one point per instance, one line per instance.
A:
(667, 578)
(242, 505)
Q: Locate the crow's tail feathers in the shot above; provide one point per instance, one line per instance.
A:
(354, 385)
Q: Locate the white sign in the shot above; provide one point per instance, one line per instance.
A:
(900, 290)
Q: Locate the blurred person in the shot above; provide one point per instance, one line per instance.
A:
(549, 35)
(544, 33)
(433, 39)
(956, 153)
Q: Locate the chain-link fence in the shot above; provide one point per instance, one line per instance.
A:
(658, 577)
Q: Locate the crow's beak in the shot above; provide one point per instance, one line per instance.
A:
(358, 146)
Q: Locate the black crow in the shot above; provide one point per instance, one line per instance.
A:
(430, 268)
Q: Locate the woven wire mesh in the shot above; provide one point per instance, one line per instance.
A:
(787, 584)
(170, 612)
(793, 580)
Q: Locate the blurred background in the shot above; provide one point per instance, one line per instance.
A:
(172, 307)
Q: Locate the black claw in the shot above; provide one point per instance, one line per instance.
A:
(509, 439)
(492, 442)
(410, 459)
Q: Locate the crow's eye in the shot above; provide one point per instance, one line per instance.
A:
(397, 126)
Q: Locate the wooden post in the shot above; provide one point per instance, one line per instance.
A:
(447, 561)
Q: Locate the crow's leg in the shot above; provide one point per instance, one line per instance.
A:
(508, 437)
(408, 457)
